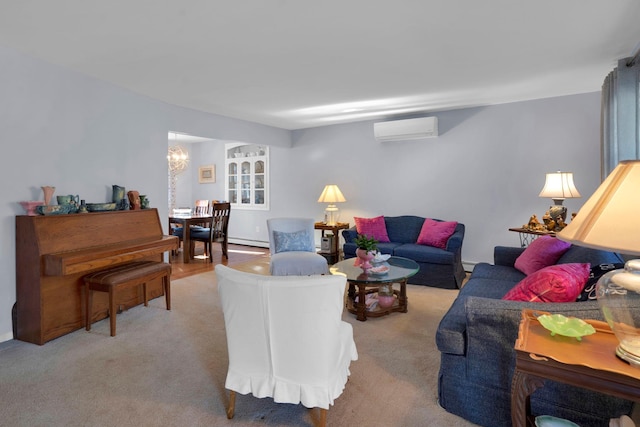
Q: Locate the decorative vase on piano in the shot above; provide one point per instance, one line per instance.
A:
(48, 193)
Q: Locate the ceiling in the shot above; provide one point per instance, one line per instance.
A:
(300, 63)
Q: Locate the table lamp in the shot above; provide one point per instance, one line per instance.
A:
(559, 186)
(610, 220)
(331, 194)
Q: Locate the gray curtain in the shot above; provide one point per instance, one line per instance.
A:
(620, 121)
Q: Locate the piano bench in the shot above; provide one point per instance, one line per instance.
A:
(131, 274)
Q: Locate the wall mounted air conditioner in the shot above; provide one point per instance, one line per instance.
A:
(402, 130)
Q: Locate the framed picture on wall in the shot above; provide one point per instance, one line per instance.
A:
(207, 174)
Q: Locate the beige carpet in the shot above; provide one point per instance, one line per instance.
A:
(168, 369)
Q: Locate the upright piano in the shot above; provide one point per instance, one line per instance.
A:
(55, 252)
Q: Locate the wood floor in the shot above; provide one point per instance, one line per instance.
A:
(238, 254)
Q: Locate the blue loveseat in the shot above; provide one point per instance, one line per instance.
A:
(476, 338)
(440, 268)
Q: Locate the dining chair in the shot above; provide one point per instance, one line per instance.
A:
(216, 232)
(293, 249)
(201, 207)
(286, 338)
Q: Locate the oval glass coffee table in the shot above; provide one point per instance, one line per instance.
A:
(400, 269)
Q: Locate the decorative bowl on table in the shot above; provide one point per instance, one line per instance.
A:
(379, 258)
(101, 207)
(30, 206)
(566, 326)
(549, 421)
(55, 209)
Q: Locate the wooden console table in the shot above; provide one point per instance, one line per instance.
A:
(591, 363)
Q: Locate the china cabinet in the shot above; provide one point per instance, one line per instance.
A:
(247, 175)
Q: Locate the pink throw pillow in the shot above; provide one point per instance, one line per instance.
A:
(542, 252)
(436, 233)
(372, 227)
(556, 283)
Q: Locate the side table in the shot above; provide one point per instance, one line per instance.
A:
(591, 364)
(333, 255)
(527, 236)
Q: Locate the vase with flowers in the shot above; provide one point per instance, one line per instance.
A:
(367, 248)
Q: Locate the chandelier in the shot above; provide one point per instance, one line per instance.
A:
(178, 159)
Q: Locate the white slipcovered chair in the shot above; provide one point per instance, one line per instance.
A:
(285, 337)
(293, 249)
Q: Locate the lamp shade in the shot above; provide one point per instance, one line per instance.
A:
(331, 194)
(559, 185)
(610, 219)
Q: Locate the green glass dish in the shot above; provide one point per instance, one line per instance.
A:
(566, 326)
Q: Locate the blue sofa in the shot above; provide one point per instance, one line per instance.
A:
(440, 268)
(476, 338)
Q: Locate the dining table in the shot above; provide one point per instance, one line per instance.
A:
(187, 221)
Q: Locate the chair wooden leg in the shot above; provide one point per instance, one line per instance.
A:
(232, 404)
(323, 418)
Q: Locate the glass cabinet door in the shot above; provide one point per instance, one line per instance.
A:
(259, 183)
(247, 183)
(232, 182)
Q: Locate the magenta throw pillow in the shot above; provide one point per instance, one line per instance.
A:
(372, 227)
(556, 283)
(436, 233)
(542, 252)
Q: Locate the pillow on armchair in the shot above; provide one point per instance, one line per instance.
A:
(301, 240)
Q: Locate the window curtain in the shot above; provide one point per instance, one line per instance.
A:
(620, 121)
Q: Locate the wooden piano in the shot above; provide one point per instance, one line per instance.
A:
(54, 252)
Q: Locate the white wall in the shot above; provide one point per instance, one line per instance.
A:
(486, 169)
(81, 135)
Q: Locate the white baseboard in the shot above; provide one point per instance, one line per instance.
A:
(6, 337)
(468, 266)
(247, 242)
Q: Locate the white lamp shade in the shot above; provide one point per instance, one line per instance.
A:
(610, 219)
(331, 194)
(559, 185)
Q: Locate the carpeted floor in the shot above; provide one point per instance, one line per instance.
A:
(167, 368)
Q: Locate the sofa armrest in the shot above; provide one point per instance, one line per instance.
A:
(454, 244)
(350, 235)
(492, 329)
(506, 255)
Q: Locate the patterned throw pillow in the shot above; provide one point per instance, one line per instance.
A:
(301, 241)
(556, 283)
(372, 227)
(436, 233)
(597, 271)
(542, 252)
